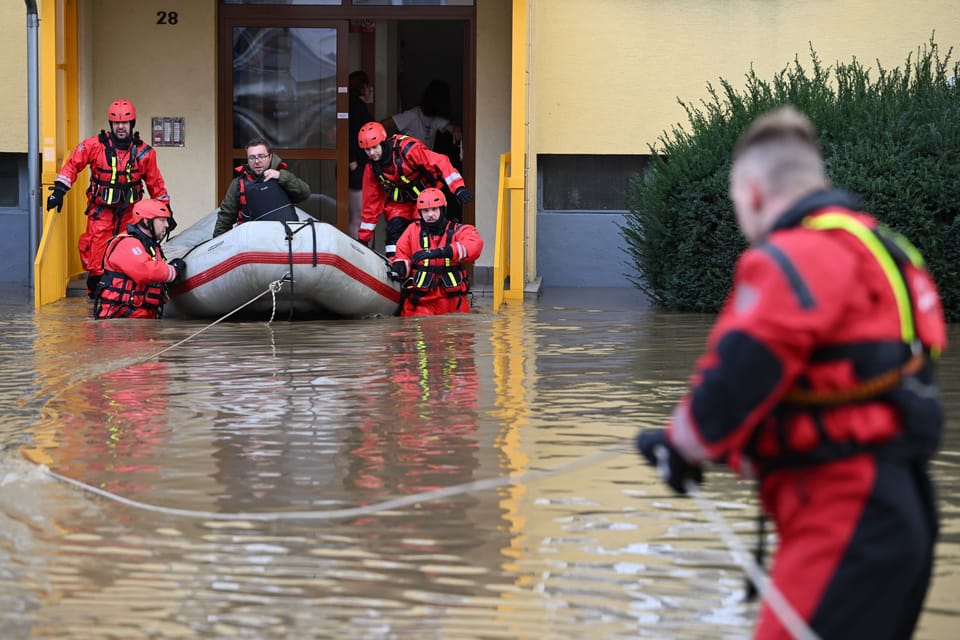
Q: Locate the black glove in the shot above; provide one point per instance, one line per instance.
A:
(180, 266)
(433, 254)
(398, 271)
(55, 199)
(464, 195)
(672, 467)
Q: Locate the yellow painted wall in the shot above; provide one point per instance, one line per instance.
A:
(13, 74)
(607, 79)
(165, 70)
(493, 113)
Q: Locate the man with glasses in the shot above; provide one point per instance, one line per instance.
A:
(264, 189)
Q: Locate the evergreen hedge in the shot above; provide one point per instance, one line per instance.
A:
(893, 140)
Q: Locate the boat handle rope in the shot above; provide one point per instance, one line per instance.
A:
(272, 289)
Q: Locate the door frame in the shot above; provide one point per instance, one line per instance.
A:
(227, 153)
(230, 16)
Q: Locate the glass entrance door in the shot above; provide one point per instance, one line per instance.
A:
(285, 85)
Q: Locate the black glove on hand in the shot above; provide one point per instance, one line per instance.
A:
(398, 271)
(464, 195)
(672, 467)
(55, 199)
(433, 254)
(180, 266)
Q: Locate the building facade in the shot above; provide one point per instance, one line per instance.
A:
(577, 91)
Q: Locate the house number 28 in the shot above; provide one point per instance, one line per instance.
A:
(166, 17)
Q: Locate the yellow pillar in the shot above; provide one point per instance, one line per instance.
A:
(57, 259)
(518, 153)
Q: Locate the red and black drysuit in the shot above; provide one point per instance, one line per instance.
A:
(818, 380)
(437, 285)
(392, 184)
(118, 171)
(134, 277)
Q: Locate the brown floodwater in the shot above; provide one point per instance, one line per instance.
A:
(171, 431)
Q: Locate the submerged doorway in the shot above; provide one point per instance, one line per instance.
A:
(283, 76)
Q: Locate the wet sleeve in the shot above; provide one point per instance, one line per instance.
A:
(436, 164)
(83, 154)
(467, 244)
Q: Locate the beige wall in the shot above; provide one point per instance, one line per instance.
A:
(13, 75)
(493, 113)
(607, 79)
(165, 70)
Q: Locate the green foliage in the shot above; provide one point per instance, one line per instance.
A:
(893, 140)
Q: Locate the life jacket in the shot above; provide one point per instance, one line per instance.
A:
(263, 199)
(438, 272)
(112, 185)
(898, 372)
(409, 180)
(118, 295)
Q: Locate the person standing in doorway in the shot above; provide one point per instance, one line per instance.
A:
(263, 189)
(360, 93)
(819, 382)
(428, 118)
(120, 163)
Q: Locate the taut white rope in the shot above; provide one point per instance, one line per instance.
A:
(795, 625)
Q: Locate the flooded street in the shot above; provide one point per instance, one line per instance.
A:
(178, 430)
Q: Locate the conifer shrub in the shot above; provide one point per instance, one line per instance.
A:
(891, 136)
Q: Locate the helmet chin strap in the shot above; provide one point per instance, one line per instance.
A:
(148, 228)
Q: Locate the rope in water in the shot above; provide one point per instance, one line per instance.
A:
(353, 512)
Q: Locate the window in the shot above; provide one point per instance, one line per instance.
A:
(10, 179)
(587, 182)
(416, 3)
(334, 2)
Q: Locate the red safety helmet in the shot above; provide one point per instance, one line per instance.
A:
(149, 209)
(121, 111)
(371, 134)
(431, 198)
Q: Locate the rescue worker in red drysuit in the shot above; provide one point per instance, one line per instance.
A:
(135, 272)
(434, 252)
(818, 381)
(400, 168)
(120, 163)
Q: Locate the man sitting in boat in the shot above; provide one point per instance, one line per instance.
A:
(435, 253)
(264, 189)
(135, 272)
(400, 169)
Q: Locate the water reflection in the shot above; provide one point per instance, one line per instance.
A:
(325, 415)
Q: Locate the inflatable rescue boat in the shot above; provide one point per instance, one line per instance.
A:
(322, 272)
